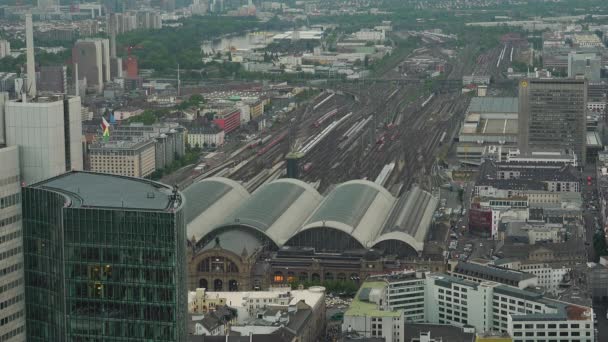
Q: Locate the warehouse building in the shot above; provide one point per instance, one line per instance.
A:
(490, 125)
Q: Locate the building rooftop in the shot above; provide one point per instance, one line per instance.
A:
(412, 215)
(437, 331)
(277, 208)
(447, 280)
(361, 306)
(494, 105)
(492, 273)
(594, 139)
(128, 144)
(220, 193)
(87, 189)
(357, 207)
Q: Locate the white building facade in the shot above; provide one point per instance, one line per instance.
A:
(12, 297)
(49, 135)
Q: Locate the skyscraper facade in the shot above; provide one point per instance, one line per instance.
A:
(104, 259)
(12, 290)
(48, 131)
(552, 115)
(93, 58)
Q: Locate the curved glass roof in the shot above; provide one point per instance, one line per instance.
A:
(200, 196)
(411, 218)
(348, 203)
(269, 202)
(209, 201)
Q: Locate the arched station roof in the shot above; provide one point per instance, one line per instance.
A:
(209, 201)
(410, 219)
(276, 209)
(358, 208)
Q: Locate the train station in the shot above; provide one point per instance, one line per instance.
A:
(230, 230)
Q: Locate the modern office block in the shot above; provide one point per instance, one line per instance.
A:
(48, 131)
(12, 290)
(93, 58)
(552, 115)
(588, 65)
(104, 259)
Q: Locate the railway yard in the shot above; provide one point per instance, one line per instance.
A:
(382, 130)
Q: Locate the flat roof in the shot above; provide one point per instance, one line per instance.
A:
(362, 307)
(444, 331)
(494, 105)
(493, 273)
(498, 126)
(88, 189)
(593, 139)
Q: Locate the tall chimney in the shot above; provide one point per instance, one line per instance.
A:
(31, 65)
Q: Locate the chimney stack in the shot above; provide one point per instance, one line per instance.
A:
(31, 65)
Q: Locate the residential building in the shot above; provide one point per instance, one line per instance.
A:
(12, 294)
(587, 40)
(210, 135)
(5, 48)
(587, 65)
(228, 119)
(123, 157)
(479, 273)
(570, 252)
(302, 311)
(48, 131)
(106, 255)
(202, 302)
(552, 115)
(551, 275)
(169, 138)
(533, 232)
(505, 180)
(93, 58)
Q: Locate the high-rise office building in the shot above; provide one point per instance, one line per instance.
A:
(587, 65)
(552, 115)
(12, 290)
(104, 259)
(46, 129)
(5, 48)
(48, 132)
(93, 58)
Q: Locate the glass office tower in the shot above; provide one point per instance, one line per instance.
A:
(104, 259)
